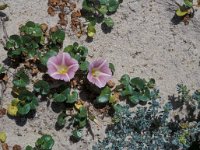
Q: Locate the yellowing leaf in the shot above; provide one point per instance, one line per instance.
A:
(181, 13)
(15, 102)
(12, 110)
(3, 6)
(114, 98)
(91, 30)
(3, 137)
(78, 104)
(93, 118)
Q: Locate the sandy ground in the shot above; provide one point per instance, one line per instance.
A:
(143, 43)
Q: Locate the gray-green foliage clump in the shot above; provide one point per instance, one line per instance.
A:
(149, 129)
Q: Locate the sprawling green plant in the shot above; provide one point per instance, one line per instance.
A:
(98, 11)
(46, 142)
(137, 90)
(37, 48)
(32, 43)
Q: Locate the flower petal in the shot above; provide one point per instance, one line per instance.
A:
(62, 59)
(104, 73)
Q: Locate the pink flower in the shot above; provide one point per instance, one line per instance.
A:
(62, 66)
(99, 73)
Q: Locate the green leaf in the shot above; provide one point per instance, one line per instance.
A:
(44, 58)
(34, 103)
(29, 147)
(112, 68)
(134, 99)
(14, 41)
(103, 2)
(103, 9)
(113, 5)
(14, 53)
(108, 22)
(82, 123)
(33, 29)
(138, 83)
(27, 98)
(188, 3)
(3, 6)
(125, 79)
(83, 51)
(82, 113)
(30, 24)
(24, 109)
(66, 96)
(21, 79)
(2, 69)
(84, 66)
(58, 36)
(87, 6)
(181, 13)
(127, 91)
(42, 87)
(72, 98)
(104, 96)
(91, 30)
(46, 142)
(61, 120)
(151, 83)
(59, 97)
(69, 49)
(77, 52)
(77, 134)
(118, 108)
(144, 98)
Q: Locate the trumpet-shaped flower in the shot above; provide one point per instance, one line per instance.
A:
(99, 73)
(62, 66)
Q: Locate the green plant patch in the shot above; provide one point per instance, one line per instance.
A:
(46, 142)
(136, 89)
(97, 12)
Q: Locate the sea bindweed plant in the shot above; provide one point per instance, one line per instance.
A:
(97, 12)
(137, 90)
(185, 11)
(46, 142)
(61, 75)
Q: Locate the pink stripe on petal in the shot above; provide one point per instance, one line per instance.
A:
(64, 60)
(102, 64)
(105, 79)
(65, 77)
(51, 69)
(67, 59)
(73, 67)
(59, 58)
(55, 76)
(99, 83)
(90, 77)
(104, 74)
(49, 63)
